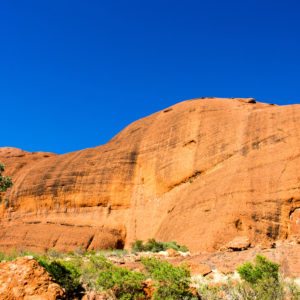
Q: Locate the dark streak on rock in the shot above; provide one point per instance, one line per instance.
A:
(89, 242)
(189, 179)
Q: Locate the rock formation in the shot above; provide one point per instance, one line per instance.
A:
(25, 279)
(203, 172)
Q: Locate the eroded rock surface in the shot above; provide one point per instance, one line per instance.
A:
(200, 172)
(25, 279)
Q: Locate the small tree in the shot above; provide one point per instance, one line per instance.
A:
(171, 282)
(261, 280)
(262, 269)
(5, 181)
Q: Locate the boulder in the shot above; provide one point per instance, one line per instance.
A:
(239, 243)
(25, 279)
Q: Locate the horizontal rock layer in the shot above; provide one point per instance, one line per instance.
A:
(201, 172)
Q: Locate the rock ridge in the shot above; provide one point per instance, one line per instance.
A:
(200, 172)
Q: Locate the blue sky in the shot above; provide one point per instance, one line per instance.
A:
(74, 73)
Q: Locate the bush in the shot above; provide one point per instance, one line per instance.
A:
(170, 282)
(155, 246)
(138, 246)
(65, 274)
(260, 270)
(5, 181)
(124, 283)
(261, 280)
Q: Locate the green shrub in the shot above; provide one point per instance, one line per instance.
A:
(175, 246)
(124, 283)
(261, 280)
(5, 181)
(155, 246)
(138, 246)
(171, 282)
(65, 274)
(260, 270)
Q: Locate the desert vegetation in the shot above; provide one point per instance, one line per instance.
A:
(93, 271)
(156, 246)
(155, 278)
(5, 181)
(259, 280)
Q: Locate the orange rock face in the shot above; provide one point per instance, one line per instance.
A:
(201, 172)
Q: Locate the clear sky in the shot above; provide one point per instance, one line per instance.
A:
(74, 73)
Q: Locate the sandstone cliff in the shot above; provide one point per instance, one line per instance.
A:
(201, 172)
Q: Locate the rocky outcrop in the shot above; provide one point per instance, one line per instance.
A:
(239, 243)
(25, 279)
(200, 172)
